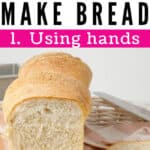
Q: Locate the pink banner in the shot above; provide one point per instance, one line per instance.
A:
(75, 38)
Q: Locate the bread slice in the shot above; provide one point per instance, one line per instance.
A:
(50, 85)
(43, 124)
(46, 110)
(143, 145)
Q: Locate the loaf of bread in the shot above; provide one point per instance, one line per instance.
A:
(143, 145)
(45, 108)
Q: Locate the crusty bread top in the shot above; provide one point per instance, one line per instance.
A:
(49, 85)
(131, 145)
(57, 62)
(51, 75)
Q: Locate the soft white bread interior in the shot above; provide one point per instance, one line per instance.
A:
(47, 125)
(143, 145)
(46, 108)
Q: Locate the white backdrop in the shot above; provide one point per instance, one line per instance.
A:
(121, 72)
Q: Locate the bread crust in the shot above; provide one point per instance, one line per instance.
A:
(50, 75)
(48, 85)
(57, 62)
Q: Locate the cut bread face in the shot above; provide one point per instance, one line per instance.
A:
(45, 124)
(143, 145)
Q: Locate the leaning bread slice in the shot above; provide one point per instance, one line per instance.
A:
(51, 85)
(46, 107)
(46, 112)
(143, 145)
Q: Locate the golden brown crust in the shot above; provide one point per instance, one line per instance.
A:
(49, 85)
(51, 75)
(57, 62)
(121, 144)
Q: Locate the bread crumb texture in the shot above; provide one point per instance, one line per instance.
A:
(47, 125)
